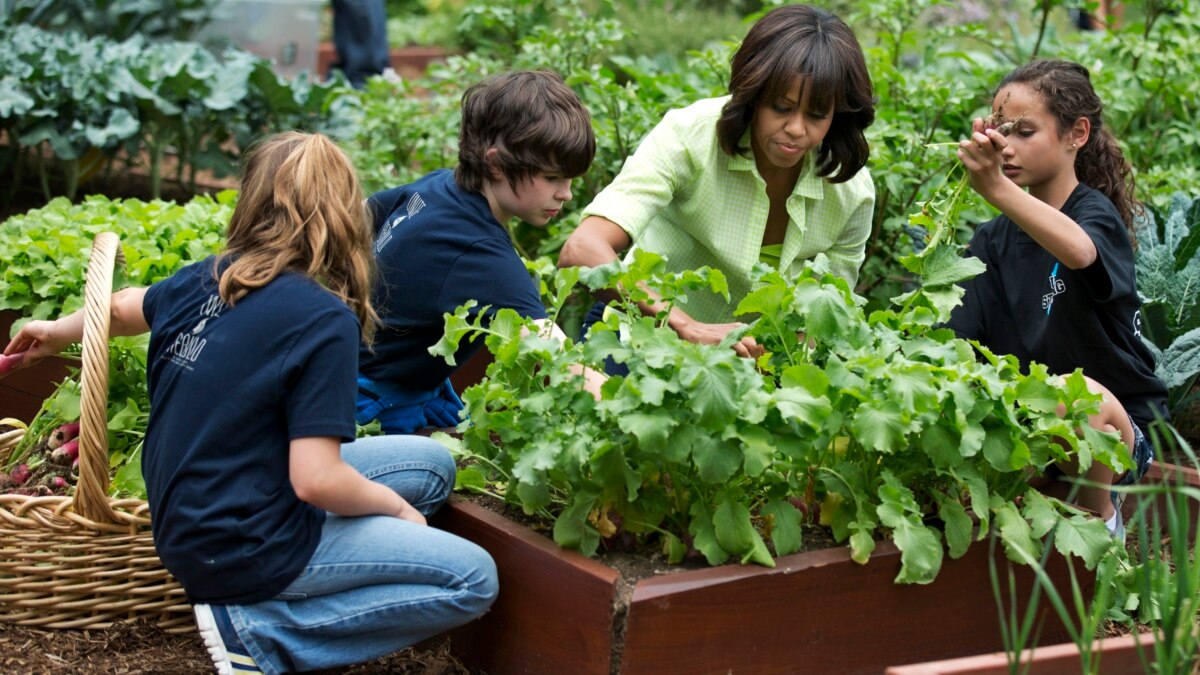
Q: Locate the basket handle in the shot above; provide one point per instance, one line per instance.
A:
(91, 492)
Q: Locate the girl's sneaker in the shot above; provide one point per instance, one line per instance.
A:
(228, 653)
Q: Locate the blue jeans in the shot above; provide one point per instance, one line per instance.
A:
(360, 37)
(375, 584)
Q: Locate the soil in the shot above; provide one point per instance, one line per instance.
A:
(138, 647)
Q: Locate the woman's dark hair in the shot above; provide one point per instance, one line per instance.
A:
(798, 41)
(535, 122)
(1066, 89)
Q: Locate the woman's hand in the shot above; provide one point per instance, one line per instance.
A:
(714, 333)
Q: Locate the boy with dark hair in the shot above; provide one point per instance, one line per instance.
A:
(441, 240)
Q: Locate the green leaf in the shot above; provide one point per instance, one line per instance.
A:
(704, 536)
(650, 428)
(879, 426)
(736, 534)
(958, 526)
(758, 449)
(711, 387)
(717, 460)
(571, 528)
(470, 479)
(786, 533)
(920, 546)
(1015, 533)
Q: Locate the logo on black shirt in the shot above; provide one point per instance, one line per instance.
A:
(412, 208)
(1056, 287)
(187, 345)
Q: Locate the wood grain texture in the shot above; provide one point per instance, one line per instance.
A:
(555, 611)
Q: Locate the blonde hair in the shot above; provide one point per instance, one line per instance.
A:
(301, 209)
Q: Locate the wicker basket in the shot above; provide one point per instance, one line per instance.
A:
(87, 561)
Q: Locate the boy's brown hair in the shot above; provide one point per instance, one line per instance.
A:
(798, 41)
(535, 122)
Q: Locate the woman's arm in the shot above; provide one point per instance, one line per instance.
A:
(39, 339)
(598, 241)
(321, 478)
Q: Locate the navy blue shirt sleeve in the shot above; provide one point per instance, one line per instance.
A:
(320, 372)
(490, 273)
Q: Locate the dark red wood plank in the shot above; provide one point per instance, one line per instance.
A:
(554, 613)
(818, 612)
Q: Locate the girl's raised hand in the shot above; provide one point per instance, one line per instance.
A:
(982, 155)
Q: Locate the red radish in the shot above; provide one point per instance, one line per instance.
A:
(11, 363)
(58, 482)
(63, 434)
(66, 453)
(19, 475)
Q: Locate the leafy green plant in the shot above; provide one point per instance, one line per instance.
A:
(879, 425)
(116, 19)
(127, 414)
(1168, 270)
(75, 102)
(46, 249)
(1154, 583)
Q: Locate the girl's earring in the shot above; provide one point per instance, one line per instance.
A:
(1073, 145)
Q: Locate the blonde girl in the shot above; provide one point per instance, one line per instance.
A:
(300, 548)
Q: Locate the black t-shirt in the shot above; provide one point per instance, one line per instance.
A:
(229, 389)
(1030, 305)
(437, 246)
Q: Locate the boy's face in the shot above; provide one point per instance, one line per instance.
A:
(535, 200)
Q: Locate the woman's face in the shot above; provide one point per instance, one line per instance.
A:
(784, 129)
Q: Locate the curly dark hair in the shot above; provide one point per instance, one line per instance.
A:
(1066, 89)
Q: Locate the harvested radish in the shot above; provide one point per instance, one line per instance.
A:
(11, 362)
(67, 453)
(63, 434)
(19, 475)
(58, 482)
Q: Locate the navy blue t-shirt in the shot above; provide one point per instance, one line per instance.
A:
(1030, 305)
(229, 389)
(437, 246)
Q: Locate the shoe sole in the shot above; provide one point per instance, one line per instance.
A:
(212, 639)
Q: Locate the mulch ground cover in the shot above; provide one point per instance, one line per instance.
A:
(139, 648)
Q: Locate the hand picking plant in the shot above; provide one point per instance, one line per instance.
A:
(880, 426)
(46, 460)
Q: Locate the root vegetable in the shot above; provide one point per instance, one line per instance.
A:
(19, 475)
(63, 434)
(66, 453)
(11, 362)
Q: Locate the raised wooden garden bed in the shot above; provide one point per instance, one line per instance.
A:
(408, 62)
(816, 612)
(1118, 656)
